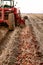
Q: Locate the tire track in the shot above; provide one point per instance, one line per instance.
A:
(3, 32)
(39, 34)
(10, 51)
(4, 41)
(40, 16)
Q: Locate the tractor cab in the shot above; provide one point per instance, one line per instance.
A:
(6, 3)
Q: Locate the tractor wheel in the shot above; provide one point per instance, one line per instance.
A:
(11, 21)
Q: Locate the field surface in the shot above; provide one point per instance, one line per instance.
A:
(23, 46)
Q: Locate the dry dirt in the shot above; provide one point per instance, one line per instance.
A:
(23, 46)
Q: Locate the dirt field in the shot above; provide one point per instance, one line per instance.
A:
(23, 46)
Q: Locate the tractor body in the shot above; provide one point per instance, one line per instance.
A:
(9, 14)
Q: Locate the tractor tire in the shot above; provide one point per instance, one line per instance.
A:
(11, 21)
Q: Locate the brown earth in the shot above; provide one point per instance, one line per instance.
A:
(23, 46)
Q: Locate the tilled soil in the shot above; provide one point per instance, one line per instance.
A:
(9, 48)
(21, 46)
(37, 25)
(30, 49)
(3, 32)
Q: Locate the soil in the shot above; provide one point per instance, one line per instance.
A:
(23, 46)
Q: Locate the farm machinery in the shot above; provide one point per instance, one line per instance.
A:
(9, 14)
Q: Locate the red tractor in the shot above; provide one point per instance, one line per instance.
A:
(9, 14)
